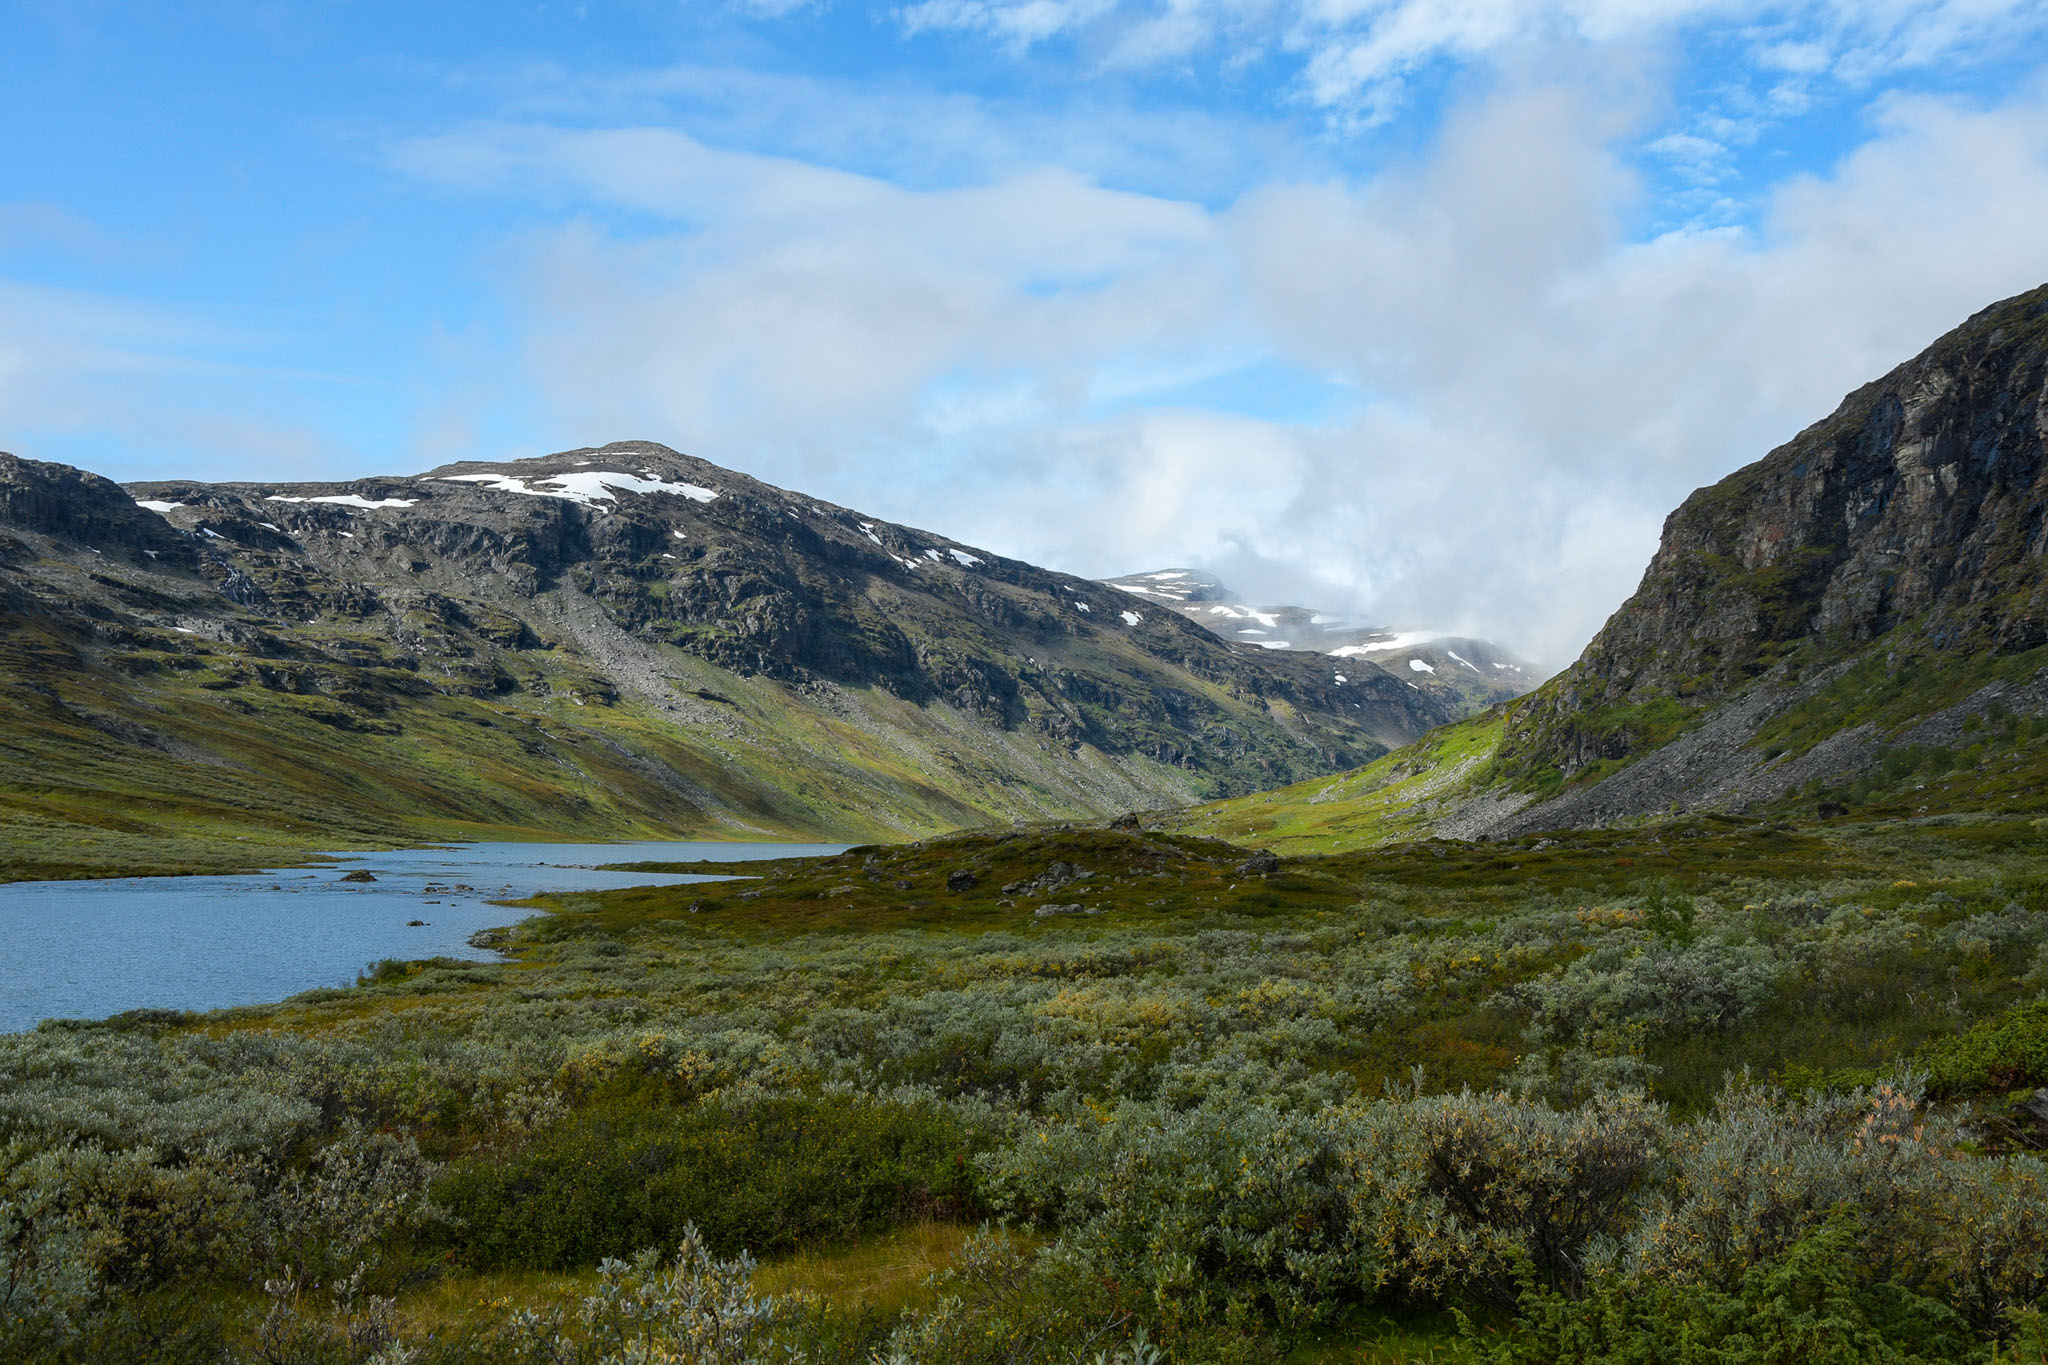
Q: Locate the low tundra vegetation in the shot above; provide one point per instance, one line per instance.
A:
(1709, 1091)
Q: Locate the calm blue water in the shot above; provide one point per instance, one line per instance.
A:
(84, 950)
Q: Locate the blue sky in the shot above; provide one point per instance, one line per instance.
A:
(1427, 309)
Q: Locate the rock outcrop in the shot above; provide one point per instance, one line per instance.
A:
(1857, 622)
(1914, 514)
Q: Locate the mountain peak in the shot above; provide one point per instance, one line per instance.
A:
(1466, 674)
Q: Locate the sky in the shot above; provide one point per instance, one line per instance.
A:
(1422, 310)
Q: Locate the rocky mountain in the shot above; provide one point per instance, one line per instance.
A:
(614, 640)
(1465, 674)
(1861, 615)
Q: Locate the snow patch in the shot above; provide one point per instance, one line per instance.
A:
(162, 509)
(346, 500)
(1085, 607)
(589, 489)
(1342, 679)
(1461, 659)
(1406, 639)
(1237, 613)
(1421, 667)
(271, 526)
(211, 534)
(1131, 618)
(933, 555)
(963, 559)
(600, 485)
(1273, 644)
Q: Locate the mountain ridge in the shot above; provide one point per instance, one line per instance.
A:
(1466, 673)
(613, 639)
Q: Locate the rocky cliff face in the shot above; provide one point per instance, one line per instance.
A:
(1856, 624)
(72, 505)
(1912, 516)
(739, 654)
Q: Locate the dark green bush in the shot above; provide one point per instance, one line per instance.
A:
(766, 1176)
(2009, 1052)
(1811, 1305)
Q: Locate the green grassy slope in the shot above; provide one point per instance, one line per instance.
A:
(1993, 759)
(1395, 797)
(171, 771)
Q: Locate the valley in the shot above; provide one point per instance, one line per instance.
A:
(1183, 1000)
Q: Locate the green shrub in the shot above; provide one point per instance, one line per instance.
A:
(1224, 1214)
(1762, 1174)
(768, 1174)
(1812, 1304)
(2009, 1052)
(1001, 1303)
(1460, 1190)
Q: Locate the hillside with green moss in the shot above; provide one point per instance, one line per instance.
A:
(605, 643)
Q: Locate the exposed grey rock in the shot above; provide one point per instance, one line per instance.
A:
(1049, 911)
(1057, 874)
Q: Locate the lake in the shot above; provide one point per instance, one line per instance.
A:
(88, 949)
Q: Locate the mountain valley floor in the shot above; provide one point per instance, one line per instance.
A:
(1713, 1088)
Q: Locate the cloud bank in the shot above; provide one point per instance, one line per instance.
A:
(1516, 385)
(1422, 310)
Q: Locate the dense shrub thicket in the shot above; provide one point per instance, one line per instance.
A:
(765, 1174)
(1752, 1119)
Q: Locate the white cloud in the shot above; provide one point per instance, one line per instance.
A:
(912, 134)
(1357, 52)
(1538, 388)
(800, 298)
(1016, 23)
